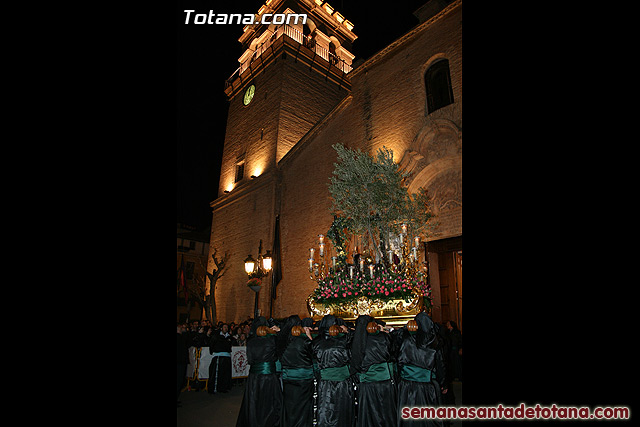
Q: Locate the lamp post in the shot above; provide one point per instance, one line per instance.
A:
(257, 269)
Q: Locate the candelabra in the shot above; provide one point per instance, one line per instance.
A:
(395, 282)
(401, 258)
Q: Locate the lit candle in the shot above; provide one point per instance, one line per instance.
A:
(321, 237)
(311, 251)
(310, 264)
(371, 270)
(417, 240)
(351, 268)
(404, 228)
(321, 249)
(361, 264)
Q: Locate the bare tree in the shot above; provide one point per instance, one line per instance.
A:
(208, 302)
(197, 288)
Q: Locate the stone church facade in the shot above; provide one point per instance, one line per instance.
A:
(307, 96)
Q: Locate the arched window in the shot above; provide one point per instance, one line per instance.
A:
(307, 37)
(333, 44)
(437, 81)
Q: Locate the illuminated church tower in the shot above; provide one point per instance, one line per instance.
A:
(289, 76)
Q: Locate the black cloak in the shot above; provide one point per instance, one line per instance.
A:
(456, 344)
(418, 354)
(262, 400)
(336, 387)
(376, 395)
(444, 346)
(297, 376)
(220, 366)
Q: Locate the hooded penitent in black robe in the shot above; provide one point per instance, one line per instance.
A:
(421, 371)
(335, 388)
(220, 366)
(456, 345)
(443, 345)
(262, 401)
(371, 357)
(297, 376)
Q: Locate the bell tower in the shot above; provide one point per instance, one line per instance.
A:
(292, 72)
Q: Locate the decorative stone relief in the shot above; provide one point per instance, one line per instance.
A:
(446, 191)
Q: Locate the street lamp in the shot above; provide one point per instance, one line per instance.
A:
(266, 261)
(249, 264)
(257, 270)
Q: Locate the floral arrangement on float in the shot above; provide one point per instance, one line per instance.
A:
(376, 264)
(339, 289)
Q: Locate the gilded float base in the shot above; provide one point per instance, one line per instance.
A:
(394, 312)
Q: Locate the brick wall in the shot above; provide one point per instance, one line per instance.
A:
(306, 98)
(239, 223)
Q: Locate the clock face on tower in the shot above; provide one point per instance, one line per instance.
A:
(248, 95)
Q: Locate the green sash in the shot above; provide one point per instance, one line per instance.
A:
(340, 373)
(263, 368)
(415, 373)
(376, 372)
(297, 373)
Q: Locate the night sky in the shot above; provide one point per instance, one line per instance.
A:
(208, 54)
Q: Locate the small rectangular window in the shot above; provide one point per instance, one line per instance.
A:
(239, 172)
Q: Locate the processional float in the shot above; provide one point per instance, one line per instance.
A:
(370, 261)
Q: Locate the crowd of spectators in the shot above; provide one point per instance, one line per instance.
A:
(199, 333)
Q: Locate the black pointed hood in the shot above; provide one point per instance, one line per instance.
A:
(260, 321)
(284, 335)
(324, 325)
(307, 322)
(426, 330)
(359, 342)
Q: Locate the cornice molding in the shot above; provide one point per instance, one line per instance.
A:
(380, 56)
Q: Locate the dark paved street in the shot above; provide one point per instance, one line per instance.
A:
(221, 410)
